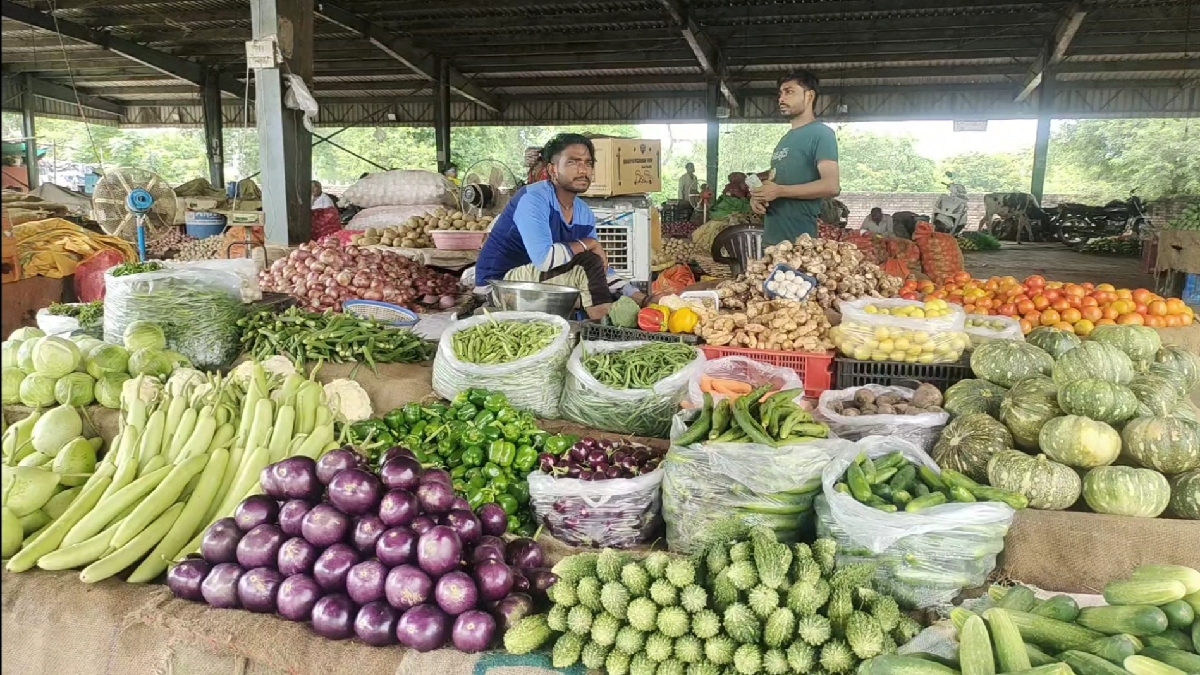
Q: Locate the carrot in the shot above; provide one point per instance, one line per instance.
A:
(769, 394)
(732, 387)
(706, 384)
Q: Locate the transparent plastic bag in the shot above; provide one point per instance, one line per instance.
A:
(616, 513)
(399, 187)
(708, 483)
(884, 337)
(635, 412)
(246, 269)
(534, 383)
(921, 430)
(924, 558)
(198, 311)
(980, 329)
(742, 369)
(53, 324)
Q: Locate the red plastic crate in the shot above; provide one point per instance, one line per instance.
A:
(815, 370)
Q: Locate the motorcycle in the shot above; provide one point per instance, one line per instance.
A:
(950, 211)
(1077, 224)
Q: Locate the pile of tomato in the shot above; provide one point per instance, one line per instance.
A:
(1037, 302)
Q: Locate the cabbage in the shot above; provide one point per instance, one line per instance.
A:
(106, 358)
(25, 354)
(37, 390)
(108, 389)
(86, 343)
(177, 360)
(55, 357)
(12, 378)
(75, 389)
(144, 335)
(9, 349)
(26, 333)
(151, 362)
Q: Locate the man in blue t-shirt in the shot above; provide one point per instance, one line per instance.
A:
(547, 233)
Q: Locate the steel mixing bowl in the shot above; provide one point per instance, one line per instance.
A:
(527, 296)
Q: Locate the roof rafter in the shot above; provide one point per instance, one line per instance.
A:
(58, 92)
(707, 53)
(1055, 49)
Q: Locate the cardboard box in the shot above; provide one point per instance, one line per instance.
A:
(626, 166)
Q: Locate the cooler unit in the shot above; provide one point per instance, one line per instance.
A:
(623, 229)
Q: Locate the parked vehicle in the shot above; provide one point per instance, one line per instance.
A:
(1076, 224)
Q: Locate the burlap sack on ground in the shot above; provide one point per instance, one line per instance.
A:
(54, 625)
(1074, 552)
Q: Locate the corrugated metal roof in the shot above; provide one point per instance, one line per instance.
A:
(594, 72)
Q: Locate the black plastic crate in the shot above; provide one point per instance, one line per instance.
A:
(855, 373)
(595, 331)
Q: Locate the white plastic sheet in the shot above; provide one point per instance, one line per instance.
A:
(616, 513)
(399, 187)
(921, 430)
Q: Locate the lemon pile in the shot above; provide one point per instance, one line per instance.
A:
(992, 324)
(881, 342)
(933, 309)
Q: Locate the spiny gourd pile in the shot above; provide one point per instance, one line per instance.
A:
(747, 605)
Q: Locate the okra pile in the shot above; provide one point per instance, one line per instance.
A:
(308, 337)
(758, 417)
(894, 482)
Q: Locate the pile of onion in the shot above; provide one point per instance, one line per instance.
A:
(325, 274)
(388, 557)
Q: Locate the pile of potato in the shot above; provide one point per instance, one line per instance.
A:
(925, 399)
(417, 232)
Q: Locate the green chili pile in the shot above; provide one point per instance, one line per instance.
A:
(331, 337)
(136, 268)
(88, 314)
(495, 342)
(639, 368)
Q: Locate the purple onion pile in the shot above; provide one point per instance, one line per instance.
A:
(594, 459)
(391, 558)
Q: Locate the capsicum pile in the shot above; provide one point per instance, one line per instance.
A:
(488, 447)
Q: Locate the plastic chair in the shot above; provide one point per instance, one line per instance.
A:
(743, 244)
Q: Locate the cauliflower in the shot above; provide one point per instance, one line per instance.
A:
(148, 389)
(348, 400)
(274, 365)
(184, 380)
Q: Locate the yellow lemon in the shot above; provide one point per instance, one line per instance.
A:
(861, 354)
(914, 350)
(925, 358)
(887, 345)
(920, 337)
(896, 356)
(918, 313)
(871, 309)
(882, 333)
(879, 356)
(901, 343)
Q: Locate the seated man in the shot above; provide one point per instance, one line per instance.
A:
(877, 222)
(547, 233)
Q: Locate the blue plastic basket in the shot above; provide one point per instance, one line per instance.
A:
(384, 312)
(203, 224)
(771, 295)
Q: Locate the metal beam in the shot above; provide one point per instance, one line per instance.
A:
(706, 52)
(403, 50)
(713, 139)
(171, 65)
(214, 137)
(441, 115)
(58, 92)
(1041, 141)
(1055, 49)
(29, 130)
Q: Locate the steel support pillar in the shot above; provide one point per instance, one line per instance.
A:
(711, 173)
(1041, 142)
(441, 115)
(214, 143)
(285, 145)
(29, 130)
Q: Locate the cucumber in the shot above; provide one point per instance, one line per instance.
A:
(1142, 665)
(1018, 599)
(1037, 657)
(895, 664)
(1179, 614)
(1187, 576)
(1115, 648)
(1057, 636)
(945, 661)
(1170, 638)
(975, 655)
(1061, 607)
(1138, 620)
(1144, 592)
(1176, 658)
(1193, 599)
(1090, 664)
(1006, 641)
(959, 616)
(1050, 669)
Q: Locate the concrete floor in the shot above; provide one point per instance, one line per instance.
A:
(1058, 263)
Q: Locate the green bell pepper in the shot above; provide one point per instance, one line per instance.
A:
(395, 420)
(412, 413)
(475, 497)
(454, 458)
(418, 429)
(495, 402)
(492, 432)
(437, 410)
(472, 436)
(525, 459)
(445, 448)
(508, 503)
(483, 418)
(466, 413)
(461, 399)
(502, 453)
(457, 473)
(507, 415)
(475, 478)
(511, 432)
(520, 491)
(419, 454)
(558, 444)
(500, 483)
(472, 456)
(477, 397)
(491, 470)
(514, 525)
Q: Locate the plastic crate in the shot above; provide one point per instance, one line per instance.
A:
(855, 373)
(595, 331)
(815, 370)
(1191, 290)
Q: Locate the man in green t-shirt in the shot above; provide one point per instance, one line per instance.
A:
(804, 167)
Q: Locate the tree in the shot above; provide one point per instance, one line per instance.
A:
(1158, 157)
(995, 172)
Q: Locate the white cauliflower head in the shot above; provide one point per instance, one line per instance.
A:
(184, 380)
(348, 400)
(273, 365)
(148, 389)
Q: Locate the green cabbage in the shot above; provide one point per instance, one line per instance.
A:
(37, 390)
(12, 378)
(55, 357)
(108, 389)
(75, 389)
(86, 343)
(106, 358)
(150, 362)
(26, 333)
(144, 335)
(9, 350)
(177, 360)
(25, 354)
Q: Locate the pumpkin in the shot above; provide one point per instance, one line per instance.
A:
(1138, 342)
(968, 442)
(1047, 485)
(1167, 444)
(1098, 399)
(1053, 341)
(1180, 360)
(1093, 360)
(1169, 373)
(1185, 411)
(1081, 442)
(973, 396)
(1026, 407)
(1126, 491)
(1006, 362)
(1156, 395)
(1185, 495)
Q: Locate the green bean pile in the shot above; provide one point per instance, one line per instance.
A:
(306, 337)
(639, 368)
(494, 342)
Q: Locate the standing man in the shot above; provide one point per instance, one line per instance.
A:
(804, 166)
(688, 184)
(547, 233)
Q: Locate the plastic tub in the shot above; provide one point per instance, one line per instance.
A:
(458, 240)
(815, 369)
(203, 224)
